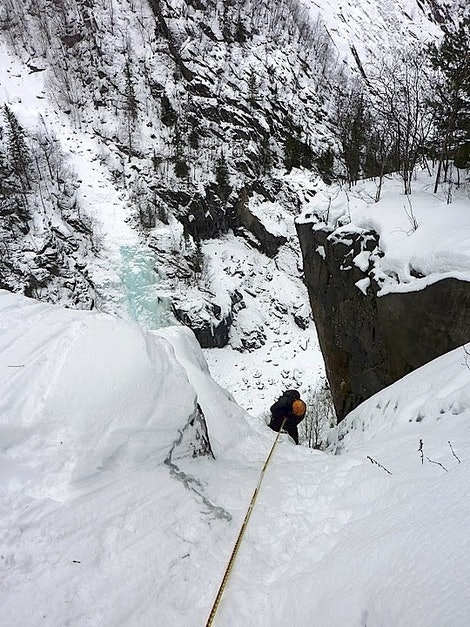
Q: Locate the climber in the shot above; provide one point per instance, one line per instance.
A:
(291, 408)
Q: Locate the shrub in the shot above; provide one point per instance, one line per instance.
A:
(320, 417)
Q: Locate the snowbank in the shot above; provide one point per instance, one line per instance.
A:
(90, 408)
(101, 526)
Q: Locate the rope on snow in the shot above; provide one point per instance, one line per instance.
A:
(233, 556)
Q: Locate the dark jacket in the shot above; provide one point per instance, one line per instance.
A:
(281, 409)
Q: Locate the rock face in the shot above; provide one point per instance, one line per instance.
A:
(269, 243)
(370, 341)
(209, 323)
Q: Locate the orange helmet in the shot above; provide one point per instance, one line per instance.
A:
(299, 407)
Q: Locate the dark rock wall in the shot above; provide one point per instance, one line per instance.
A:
(420, 326)
(368, 342)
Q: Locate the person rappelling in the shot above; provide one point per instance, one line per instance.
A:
(287, 413)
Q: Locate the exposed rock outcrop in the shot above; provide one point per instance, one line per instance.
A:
(203, 216)
(369, 341)
(207, 320)
(268, 242)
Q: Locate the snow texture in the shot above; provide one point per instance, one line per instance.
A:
(101, 527)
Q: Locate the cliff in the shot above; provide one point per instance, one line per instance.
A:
(369, 338)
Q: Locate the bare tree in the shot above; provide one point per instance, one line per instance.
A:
(398, 91)
(320, 417)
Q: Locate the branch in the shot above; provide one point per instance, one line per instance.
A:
(453, 452)
(467, 356)
(438, 463)
(374, 461)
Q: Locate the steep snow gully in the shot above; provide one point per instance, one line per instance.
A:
(126, 470)
(95, 530)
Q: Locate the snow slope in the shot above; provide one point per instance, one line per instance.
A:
(90, 409)
(106, 206)
(107, 519)
(367, 31)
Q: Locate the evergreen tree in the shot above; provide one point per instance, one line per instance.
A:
(241, 33)
(18, 154)
(253, 93)
(193, 138)
(131, 106)
(222, 178)
(129, 91)
(181, 166)
(351, 131)
(325, 164)
(5, 183)
(451, 98)
(168, 114)
(266, 156)
(297, 153)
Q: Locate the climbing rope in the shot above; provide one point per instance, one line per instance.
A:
(231, 561)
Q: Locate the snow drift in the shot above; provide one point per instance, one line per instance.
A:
(107, 519)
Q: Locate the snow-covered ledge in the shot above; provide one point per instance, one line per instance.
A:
(386, 299)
